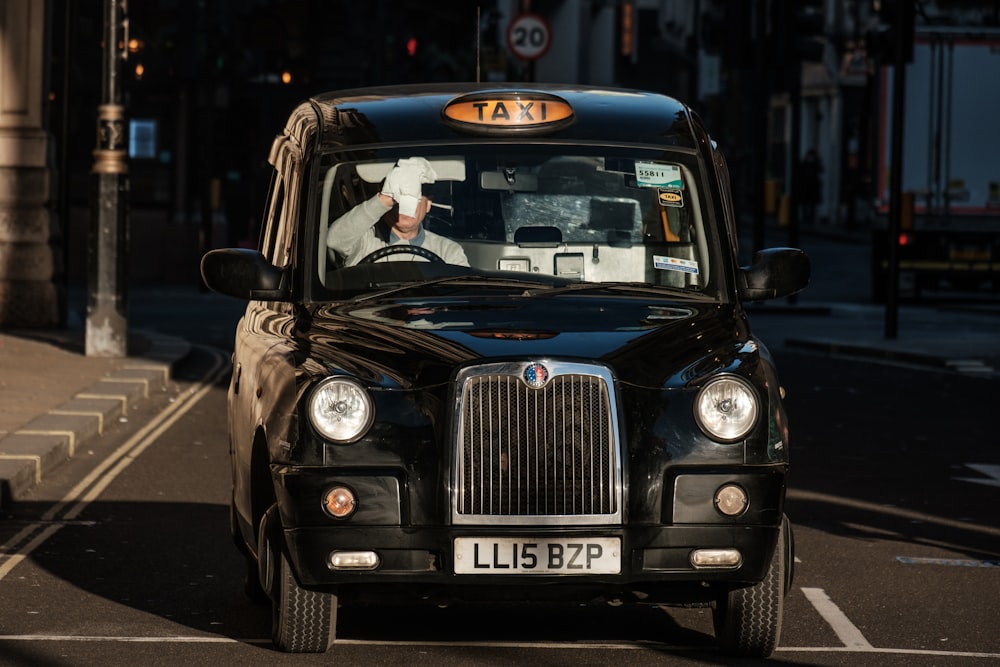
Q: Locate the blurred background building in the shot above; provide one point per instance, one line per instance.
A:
(791, 89)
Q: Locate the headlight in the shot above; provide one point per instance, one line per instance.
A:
(340, 409)
(726, 409)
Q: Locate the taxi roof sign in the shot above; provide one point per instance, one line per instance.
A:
(502, 112)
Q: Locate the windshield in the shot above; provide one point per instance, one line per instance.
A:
(551, 215)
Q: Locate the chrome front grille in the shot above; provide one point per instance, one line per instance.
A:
(546, 455)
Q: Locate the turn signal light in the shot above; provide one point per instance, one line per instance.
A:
(731, 500)
(339, 502)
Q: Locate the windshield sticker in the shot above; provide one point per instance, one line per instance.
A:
(675, 264)
(656, 175)
(671, 197)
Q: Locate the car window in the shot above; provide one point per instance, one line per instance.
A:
(562, 214)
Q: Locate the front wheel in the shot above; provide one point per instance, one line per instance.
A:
(748, 620)
(302, 621)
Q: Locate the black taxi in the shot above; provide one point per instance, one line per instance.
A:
(495, 348)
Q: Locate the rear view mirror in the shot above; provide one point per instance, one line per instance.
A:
(508, 181)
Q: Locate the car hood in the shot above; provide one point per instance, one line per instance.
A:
(417, 343)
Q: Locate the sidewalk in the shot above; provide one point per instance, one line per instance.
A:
(54, 399)
(956, 338)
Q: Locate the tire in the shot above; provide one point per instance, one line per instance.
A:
(748, 620)
(302, 621)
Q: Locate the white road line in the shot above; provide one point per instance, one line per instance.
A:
(590, 646)
(952, 562)
(887, 651)
(846, 631)
(91, 486)
(801, 494)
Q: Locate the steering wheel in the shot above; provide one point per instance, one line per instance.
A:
(407, 249)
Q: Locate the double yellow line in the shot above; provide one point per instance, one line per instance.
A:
(29, 538)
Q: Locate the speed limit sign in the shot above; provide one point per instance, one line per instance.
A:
(528, 36)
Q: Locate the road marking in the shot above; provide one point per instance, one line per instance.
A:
(35, 458)
(846, 631)
(887, 651)
(92, 485)
(107, 397)
(120, 380)
(82, 413)
(69, 435)
(990, 471)
(969, 366)
(815, 496)
(956, 562)
(588, 646)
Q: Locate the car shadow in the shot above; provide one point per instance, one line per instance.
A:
(175, 564)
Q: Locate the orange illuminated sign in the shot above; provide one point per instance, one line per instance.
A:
(509, 111)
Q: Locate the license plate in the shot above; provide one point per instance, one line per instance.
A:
(523, 555)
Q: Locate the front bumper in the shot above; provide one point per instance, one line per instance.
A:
(419, 559)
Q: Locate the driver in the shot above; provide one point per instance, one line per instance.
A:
(401, 206)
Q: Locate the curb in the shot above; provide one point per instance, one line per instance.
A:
(34, 450)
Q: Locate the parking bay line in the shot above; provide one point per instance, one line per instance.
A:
(846, 631)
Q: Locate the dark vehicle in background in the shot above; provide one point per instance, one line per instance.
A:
(580, 415)
(949, 235)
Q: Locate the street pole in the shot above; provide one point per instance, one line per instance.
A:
(107, 248)
(899, 58)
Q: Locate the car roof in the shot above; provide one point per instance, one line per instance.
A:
(411, 114)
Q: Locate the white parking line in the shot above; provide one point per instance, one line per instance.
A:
(846, 631)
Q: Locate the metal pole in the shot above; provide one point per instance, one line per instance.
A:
(761, 95)
(896, 175)
(107, 252)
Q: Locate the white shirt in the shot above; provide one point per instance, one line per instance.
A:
(352, 236)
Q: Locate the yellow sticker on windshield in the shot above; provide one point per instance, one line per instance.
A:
(671, 197)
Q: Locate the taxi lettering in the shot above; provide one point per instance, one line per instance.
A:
(492, 113)
(500, 111)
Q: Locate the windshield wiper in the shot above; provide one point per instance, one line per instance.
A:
(577, 288)
(449, 280)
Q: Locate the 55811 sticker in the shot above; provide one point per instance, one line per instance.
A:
(658, 175)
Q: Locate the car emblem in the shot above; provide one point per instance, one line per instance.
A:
(536, 375)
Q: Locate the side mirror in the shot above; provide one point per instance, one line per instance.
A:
(776, 272)
(242, 273)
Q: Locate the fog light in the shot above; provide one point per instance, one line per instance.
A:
(352, 560)
(731, 500)
(716, 558)
(339, 502)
